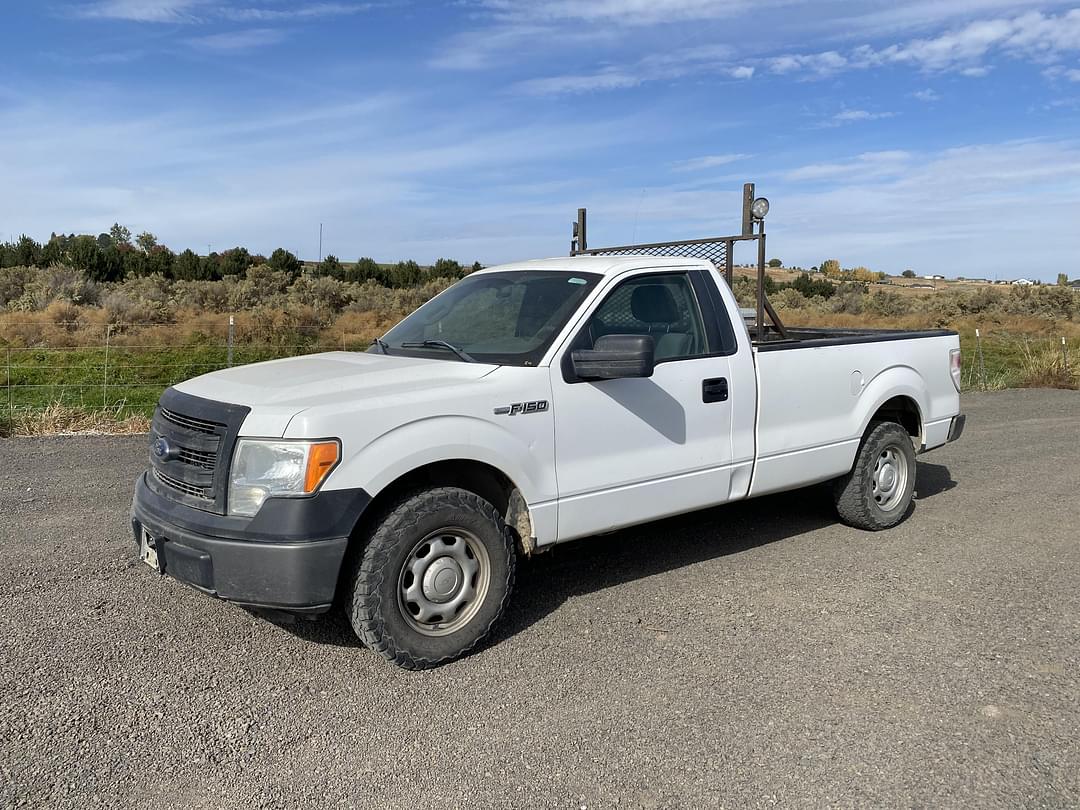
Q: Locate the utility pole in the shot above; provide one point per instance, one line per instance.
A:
(320, 243)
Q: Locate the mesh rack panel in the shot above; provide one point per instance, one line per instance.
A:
(715, 250)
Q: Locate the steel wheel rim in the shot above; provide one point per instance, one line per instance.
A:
(443, 581)
(889, 478)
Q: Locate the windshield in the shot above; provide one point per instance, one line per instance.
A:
(506, 318)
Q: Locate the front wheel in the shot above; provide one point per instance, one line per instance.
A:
(876, 493)
(434, 576)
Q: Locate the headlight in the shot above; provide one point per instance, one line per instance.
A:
(264, 468)
(760, 208)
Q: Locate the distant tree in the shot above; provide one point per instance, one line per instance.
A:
(476, 266)
(159, 261)
(235, 261)
(831, 268)
(1063, 279)
(189, 267)
(908, 274)
(811, 287)
(284, 261)
(775, 263)
(865, 274)
(134, 263)
(405, 274)
(54, 251)
(146, 241)
(119, 235)
(213, 266)
(330, 266)
(26, 251)
(447, 268)
(366, 269)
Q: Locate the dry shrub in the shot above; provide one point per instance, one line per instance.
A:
(281, 327)
(13, 283)
(1046, 367)
(59, 419)
(356, 329)
(322, 293)
(204, 296)
(36, 288)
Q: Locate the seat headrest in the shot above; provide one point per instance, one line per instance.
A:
(654, 303)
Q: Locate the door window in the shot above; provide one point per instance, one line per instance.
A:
(662, 305)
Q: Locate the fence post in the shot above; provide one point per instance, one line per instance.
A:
(979, 356)
(232, 329)
(1064, 355)
(105, 378)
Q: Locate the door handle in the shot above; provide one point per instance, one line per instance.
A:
(714, 390)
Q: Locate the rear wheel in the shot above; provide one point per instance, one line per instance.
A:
(434, 576)
(876, 493)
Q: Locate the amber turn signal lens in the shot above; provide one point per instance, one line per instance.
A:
(321, 459)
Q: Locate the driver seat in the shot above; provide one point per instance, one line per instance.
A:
(655, 305)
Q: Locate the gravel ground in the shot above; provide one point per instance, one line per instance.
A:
(754, 655)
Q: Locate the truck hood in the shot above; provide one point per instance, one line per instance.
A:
(277, 390)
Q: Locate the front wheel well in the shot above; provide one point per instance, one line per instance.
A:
(481, 479)
(905, 412)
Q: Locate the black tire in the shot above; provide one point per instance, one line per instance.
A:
(377, 602)
(857, 501)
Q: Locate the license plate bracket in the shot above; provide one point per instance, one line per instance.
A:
(148, 551)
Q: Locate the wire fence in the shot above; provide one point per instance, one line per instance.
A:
(124, 375)
(108, 367)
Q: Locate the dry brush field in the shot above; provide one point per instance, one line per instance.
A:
(88, 356)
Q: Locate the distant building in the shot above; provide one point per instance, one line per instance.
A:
(1023, 282)
(934, 277)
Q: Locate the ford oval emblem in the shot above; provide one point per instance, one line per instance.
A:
(162, 449)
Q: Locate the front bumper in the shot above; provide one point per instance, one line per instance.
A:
(288, 557)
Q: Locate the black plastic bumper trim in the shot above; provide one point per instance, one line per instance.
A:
(956, 429)
(255, 562)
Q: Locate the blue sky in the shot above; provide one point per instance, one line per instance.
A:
(942, 136)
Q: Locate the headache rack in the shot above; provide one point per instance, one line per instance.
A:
(717, 249)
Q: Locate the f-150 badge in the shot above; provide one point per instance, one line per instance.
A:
(538, 406)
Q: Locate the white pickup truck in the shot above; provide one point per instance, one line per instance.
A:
(527, 405)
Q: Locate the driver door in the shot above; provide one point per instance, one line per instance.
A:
(630, 450)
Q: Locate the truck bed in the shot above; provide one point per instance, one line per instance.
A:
(814, 406)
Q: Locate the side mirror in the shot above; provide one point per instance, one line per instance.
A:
(614, 357)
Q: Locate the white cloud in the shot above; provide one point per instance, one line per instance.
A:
(623, 12)
(821, 64)
(239, 40)
(195, 11)
(866, 166)
(928, 95)
(708, 162)
(654, 67)
(585, 83)
(157, 11)
(1034, 36)
(303, 12)
(1061, 72)
(852, 116)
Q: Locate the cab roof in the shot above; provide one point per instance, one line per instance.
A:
(604, 265)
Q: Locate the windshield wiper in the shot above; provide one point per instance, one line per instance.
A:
(381, 344)
(439, 344)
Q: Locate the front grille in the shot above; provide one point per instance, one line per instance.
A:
(191, 423)
(198, 458)
(181, 486)
(194, 439)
